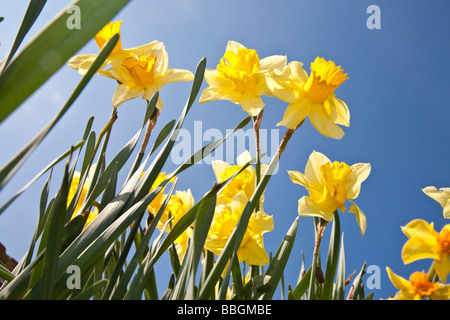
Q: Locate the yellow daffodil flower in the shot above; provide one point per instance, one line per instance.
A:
(424, 242)
(143, 71)
(182, 242)
(442, 196)
(418, 287)
(83, 62)
(245, 181)
(179, 203)
(329, 185)
(312, 96)
(224, 222)
(240, 78)
(140, 71)
(156, 203)
(73, 189)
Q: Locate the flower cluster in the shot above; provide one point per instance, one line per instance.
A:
(424, 242)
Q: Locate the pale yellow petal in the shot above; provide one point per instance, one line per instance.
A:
(307, 208)
(338, 110)
(243, 158)
(219, 168)
(260, 223)
(360, 172)
(322, 122)
(149, 92)
(239, 202)
(442, 196)
(295, 113)
(124, 93)
(176, 75)
(85, 60)
(442, 266)
(312, 168)
(145, 49)
(360, 217)
(233, 46)
(253, 253)
(252, 105)
(298, 178)
(271, 63)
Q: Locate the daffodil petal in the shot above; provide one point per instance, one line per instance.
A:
(322, 122)
(252, 105)
(298, 178)
(253, 253)
(219, 168)
(82, 61)
(443, 293)
(124, 93)
(312, 168)
(442, 267)
(417, 248)
(275, 62)
(144, 49)
(420, 228)
(338, 110)
(401, 284)
(148, 94)
(295, 113)
(306, 208)
(175, 75)
(442, 196)
(233, 46)
(260, 223)
(360, 217)
(243, 158)
(360, 172)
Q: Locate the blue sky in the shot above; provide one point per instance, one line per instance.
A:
(396, 93)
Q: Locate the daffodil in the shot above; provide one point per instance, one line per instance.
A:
(177, 206)
(240, 78)
(157, 202)
(442, 196)
(143, 71)
(425, 242)
(244, 181)
(73, 189)
(329, 186)
(140, 71)
(225, 220)
(312, 96)
(182, 242)
(83, 62)
(418, 287)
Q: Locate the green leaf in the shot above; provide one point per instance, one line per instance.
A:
(50, 49)
(33, 11)
(54, 240)
(358, 285)
(332, 259)
(302, 286)
(91, 291)
(162, 135)
(13, 165)
(339, 293)
(6, 274)
(279, 261)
